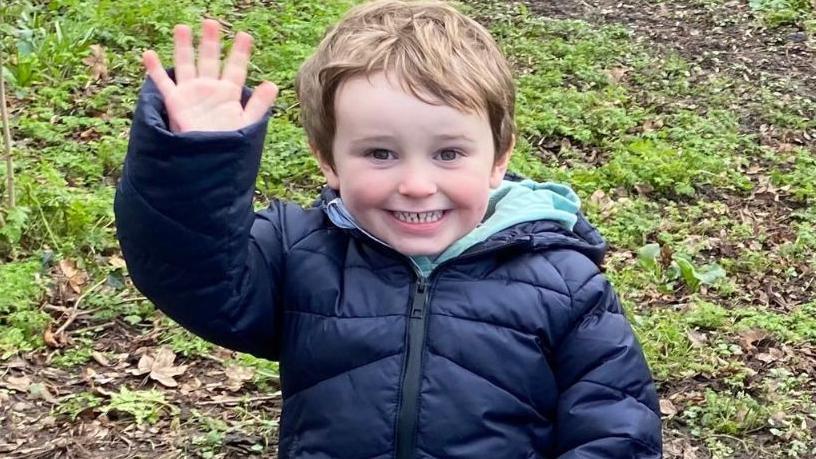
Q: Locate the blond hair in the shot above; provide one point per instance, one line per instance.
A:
(438, 54)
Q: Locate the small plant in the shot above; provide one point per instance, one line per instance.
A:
(800, 178)
(776, 13)
(727, 414)
(13, 222)
(266, 371)
(796, 326)
(183, 342)
(694, 276)
(71, 357)
(707, 315)
(212, 440)
(21, 322)
(146, 406)
(74, 405)
(668, 267)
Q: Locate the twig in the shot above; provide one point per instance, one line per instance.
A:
(225, 401)
(65, 310)
(94, 327)
(131, 299)
(213, 358)
(742, 442)
(7, 137)
(75, 310)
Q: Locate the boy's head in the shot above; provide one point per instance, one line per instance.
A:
(409, 109)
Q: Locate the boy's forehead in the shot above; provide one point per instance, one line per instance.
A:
(373, 102)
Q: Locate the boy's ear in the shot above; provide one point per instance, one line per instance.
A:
(328, 170)
(500, 165)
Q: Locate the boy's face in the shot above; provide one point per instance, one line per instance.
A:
(416, 176)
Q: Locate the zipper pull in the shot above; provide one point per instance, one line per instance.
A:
(419, 299)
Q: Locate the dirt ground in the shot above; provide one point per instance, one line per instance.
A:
(720, 38)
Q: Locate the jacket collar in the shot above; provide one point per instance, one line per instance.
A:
(529, 235)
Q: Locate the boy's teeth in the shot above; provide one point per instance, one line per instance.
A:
(419, 217)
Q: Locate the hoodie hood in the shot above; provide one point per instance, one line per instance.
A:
(541, 214)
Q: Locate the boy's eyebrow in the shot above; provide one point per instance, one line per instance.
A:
(386, 138)
(376, 138)
(453, 137)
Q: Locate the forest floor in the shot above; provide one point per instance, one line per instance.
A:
(686, 127)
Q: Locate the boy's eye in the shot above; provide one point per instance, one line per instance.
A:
(380, 154)
(448, 155)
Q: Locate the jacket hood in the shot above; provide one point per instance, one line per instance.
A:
(520, 212)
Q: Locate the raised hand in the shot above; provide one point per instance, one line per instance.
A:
(202, 97)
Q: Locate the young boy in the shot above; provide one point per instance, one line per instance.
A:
(425, 308)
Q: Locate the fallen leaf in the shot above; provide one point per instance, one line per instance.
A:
(98, 63)
(22, 406)
(749, 337)
(785, 148)
(237, 375)
(53, 340)
(48, 421)
(667, 408)
(652, 125)
(18, 383)
(616, 74)
(88, 374)
(16, 363)
(598, 198)
(67, 267)
(100, 359)
(76, 277)
(644, 189)
(765, 357)
(159, 367)
(191, 386)
(697, 338)
(39, 390)
(117, 262)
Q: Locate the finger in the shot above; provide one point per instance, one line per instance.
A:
(157, 73)
(209, 50)
(235, 70)
(262, 98)
(183, 54)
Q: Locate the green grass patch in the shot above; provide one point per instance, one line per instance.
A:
(800, 177)
(21, 321)
(776, 13)
(145, 406)
(78, 354)
(267, 373)
(595, 108)
(675, 349)
(183, 342)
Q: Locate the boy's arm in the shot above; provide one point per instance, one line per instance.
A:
(608, 406)
(187, 229)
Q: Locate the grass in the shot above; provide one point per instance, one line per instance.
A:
(658, 155)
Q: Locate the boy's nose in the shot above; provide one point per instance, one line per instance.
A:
(417, 185)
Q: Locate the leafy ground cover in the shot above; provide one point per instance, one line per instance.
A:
(686, 127)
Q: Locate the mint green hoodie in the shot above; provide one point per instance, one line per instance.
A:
(510, 204)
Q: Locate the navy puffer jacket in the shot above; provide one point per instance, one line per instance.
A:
(515, 349)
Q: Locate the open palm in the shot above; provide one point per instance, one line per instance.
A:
(203, 98)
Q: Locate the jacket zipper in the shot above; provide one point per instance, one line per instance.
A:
(407, 417)
(409, 401)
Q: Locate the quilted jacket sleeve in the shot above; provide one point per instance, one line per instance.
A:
(608, 404)
(192, 242)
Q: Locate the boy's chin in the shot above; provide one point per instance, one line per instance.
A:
(410, 250)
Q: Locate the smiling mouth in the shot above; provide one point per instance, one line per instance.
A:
(419, 217)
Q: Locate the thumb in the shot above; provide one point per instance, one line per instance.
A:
(262, 98)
